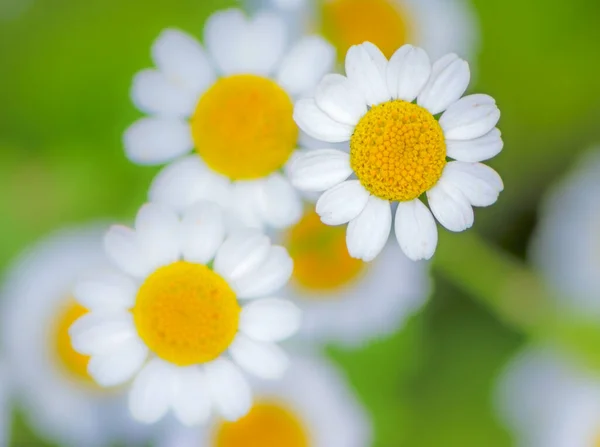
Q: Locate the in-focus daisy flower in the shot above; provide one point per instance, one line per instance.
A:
(312, 406)
(60, 400)
(344, 299)
(232, 100)
(398, 149)
(171, 316)
(566, 241)
(547, 399)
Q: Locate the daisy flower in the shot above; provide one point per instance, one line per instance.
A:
(171, 316)
(311, 406)
(398, 149)
(344, 299)
(48, 378)
(232, 100)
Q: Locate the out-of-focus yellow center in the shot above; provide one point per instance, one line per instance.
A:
(186, 313)
(267, 424)
(352, 22)
(398, 151)
(243, 127)
(320, 254)
(74, 363)
(597, 441)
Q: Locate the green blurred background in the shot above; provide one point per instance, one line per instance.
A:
(64, 82)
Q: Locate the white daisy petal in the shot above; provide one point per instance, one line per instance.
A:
(100, 333)
(106, 290)
(273, 274)
(449, 79)
(223, 32)
(243, 204)
(305, 64)
(264, 45)
(270, 319)
(202, 232)
(278, 203)
(450, 207)
(157, 229)
(342, 203)
(153, 141)
(368, 233)
(229, 389)
(479, 149)
(320, 169)
(152, 93)
(318, 124)
(262, 359)
(470, 117)
(183, 61)
(122, 247)
(119, 365)
(242, 253)
(191, 398)
(479, 183)
(415, 230)
(366, 68)
(407, 72)
(340, 99)
(151, 392)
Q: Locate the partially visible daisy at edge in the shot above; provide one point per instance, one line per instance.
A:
(398, 149)
(184, 312)
(231, 100)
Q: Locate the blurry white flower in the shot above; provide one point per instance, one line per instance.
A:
(311, 406)
(171, 316)
(51, 384)
(233, 103)
(398, 149)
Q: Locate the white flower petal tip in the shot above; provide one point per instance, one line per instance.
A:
(202, 232)
(119, 365)
(105, 290)
(316, 123)
(152, 93)
(337, 97)
(479, 184)
(366, 68)
(270, 319)
(407, 72)
(121, 246)
(449, 79)
(415, 230)
(450, 207)
(342, 203)
(470, 117)
(229, 389)
(262, 359)
(99, 333)
(319, 170)
(157, 232)
(478, 149)
(278, 204)
(368, 233)
(241, 254)
(151, 392)
(270, 276)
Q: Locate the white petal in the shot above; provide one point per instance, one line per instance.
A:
(191, 398)
(415, 230)
(479, 183)
(270, 319)
(450, 207)
(319, 170)
(153, 141)
(229, 389)
(106, 290)
(152, 93)
(368, 233)
(183, 61)
(202, 232)
(318, 124)
(407, 72)
(119, 365)
(262, 359)
(479, 149)
(242, 253)
(366, 67)
(273, 274)
(101, 333)
(340, 99)
(342, 203)
(243, 204)
(449, 79)
(122, 247)
(151, 392)
(470, 117)
(305, 64)
(277, 202)
(158, 233)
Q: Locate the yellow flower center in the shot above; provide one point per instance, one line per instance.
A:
(186, 313)
(352, 22)
(243, 127)
(267, 424)
(320, 254)
(73, 363)
(398, 151)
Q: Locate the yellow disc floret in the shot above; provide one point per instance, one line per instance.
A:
(243, 127)
(398, 151)
(352, 22)
(186, 313)
(320, 254)
(266, 425)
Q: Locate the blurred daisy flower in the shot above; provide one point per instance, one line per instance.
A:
(233, 103)
(311, 406)
(344, 299)
(398, 149)
(171, 316)
(51, 384)
(548, 400)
